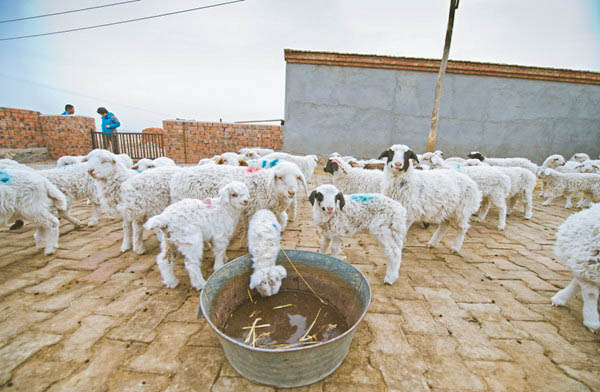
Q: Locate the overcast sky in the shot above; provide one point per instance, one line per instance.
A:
(227, 62)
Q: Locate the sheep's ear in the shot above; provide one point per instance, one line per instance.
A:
(408, 155)
(224, 194)
(303, 182)
(220, 161)
(388, 154)
(412, 155)
(340, 197)
(135, 167)
(243, 162)
(312, 196)
(353, 164)
(84, 159)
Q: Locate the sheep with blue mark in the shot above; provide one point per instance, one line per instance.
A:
(264, 237)
(340, 216)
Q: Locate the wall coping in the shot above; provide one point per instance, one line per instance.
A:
(61, 116)
(432, 65)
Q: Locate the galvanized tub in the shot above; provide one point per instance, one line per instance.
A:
(337, 282)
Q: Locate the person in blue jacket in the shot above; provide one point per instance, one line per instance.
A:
(110, 123)
(69, 110)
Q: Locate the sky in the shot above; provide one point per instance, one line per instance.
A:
(227, 62)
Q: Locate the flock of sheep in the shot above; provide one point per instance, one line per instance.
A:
(255, 189)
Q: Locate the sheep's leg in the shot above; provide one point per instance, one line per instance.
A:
(127, 231)
(590, 293)
(564, 295)
(219, 250)
(165, 266)
(483, 211)
(500, 203)
(439, 233)
(65, 214)
(138, 237)
(39, 237)
(96, 211)
(193, 252)
(528, 208)
(293, 209)
(336, 246)
(460, 235)
(283, 219)
(548, 201)
(325, 242)
(585, 200)
(568, 202)
(392, 245)
(48, 232)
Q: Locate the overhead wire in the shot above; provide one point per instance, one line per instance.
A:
(69, 11)
(123, 21)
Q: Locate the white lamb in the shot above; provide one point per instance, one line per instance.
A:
(350, 179)
(340, 216)
(261, 152)
(26, 195)
(430, 196)
(69, 160)
(506, 162)
(145, 163)
(493, 184)
(125, 160)
(272, 189)
(143, 196)
(558, 184)
(589, 166)
(108, 173)
(522, 185)
(73, 181)
(264, 237)
(231, 159)
(578, 247)
(579, 157)
(186, 225)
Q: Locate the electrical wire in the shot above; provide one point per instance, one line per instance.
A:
(69, 12)
(123, 21)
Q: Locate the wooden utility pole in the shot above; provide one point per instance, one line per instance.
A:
(438, 88)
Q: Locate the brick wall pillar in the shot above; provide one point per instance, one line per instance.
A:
(67, 135)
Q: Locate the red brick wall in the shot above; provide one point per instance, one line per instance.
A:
(189, 141)
(67, 135)
(20, 129)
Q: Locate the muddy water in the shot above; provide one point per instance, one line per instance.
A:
(283, 326)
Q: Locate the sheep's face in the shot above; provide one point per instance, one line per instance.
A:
(331, 166)
(588, 167)
(235, 193)
(287, 179)
(580, 157)
(398, 157)
(439, 153)
(248, 155)
(554, 161)
(326, 198)
(545, 173)
(143, 164)
(267, 281)
(476, 155)
(101, 164)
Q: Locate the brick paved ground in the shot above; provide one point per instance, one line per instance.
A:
(91, 319)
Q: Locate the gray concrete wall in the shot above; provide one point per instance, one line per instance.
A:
(362, 111)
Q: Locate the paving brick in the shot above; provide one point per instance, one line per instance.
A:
(417, 318)
(13, 285)
(18, 322)
(161, 356)
(62, 300)
(92, 261)
(76, 346)
(127, 303)
(69, 319)
(500, 376)
(53, 284)
(142, 326)
(200, 368)
(36, 375)
(441, 302)
(21, 348)
(523, 293)
(104, 272)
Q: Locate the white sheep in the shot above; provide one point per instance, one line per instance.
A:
(558, 184)
(231, 159)
(579, 157)
(522, 184)
(340, 216)
(143, 196)
(589, 166)
(506, 162)
(145, 163)
(186, 225)
(125, 160)
(108, 173)
(255, 152)
(431, 196)
(264, 237)
(26, 195)
(75, 183)
(69, 160)
(493, 184)
(272, 189)
(578, 247)
(350, 179)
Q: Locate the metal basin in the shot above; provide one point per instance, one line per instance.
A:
(337, 282)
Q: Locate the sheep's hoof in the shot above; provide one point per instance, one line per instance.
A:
(501, 228)
(172, 284)
(528, 216)
(556, 301)
(389, 281)
(454, 250)
(139, 251)
(49, 252)
(593, 327)
(545, 203)
(430, 245)
(92, 223)
(125, 248)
